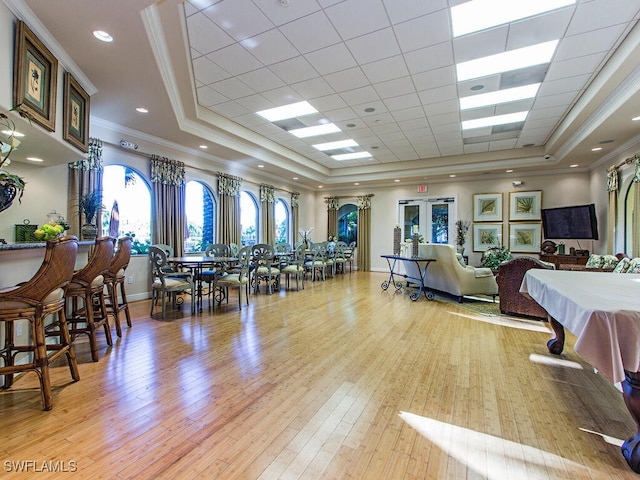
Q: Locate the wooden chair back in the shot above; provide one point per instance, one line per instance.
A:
(122, 257)
(99, 261)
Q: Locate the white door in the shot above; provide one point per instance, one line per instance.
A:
(435, 218)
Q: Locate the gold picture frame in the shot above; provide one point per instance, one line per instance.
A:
(486, 236)
(487, 207)
(75, 129)
(525, 237)
(35, 76)
(525, 206)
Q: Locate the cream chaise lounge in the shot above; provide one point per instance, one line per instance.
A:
(448, 275)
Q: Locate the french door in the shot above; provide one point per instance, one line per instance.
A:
(433, 218)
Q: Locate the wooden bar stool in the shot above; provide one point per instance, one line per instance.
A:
(34, 301)
(85, 296)
(114, 279)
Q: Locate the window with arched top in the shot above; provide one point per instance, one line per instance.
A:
(126, 197)
(282, 219)
(248, 219)
(200, 210)
(348, 223)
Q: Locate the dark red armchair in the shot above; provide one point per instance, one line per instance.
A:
(510, 275)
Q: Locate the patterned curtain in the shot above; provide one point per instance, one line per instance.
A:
(84, 176)
(168, 206)
(295, 200)
(364, 233)
(332, 215)
(635, 248)
(229, 218)
(267, 200)
(612, 209)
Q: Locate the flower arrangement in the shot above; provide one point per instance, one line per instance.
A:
(462, 228)
(8, 144)
(493, 257)
(305, 234)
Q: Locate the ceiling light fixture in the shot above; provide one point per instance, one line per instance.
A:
(315, 131)
(103, 36)
(495, 120)
(479, 15)
(141, 110)
(351, 156)
(35, 159)
(635, 119)
(335, 145)
(284, 112)
(500, 96)
(203, 147)
(573, 165)
(452, 176)
(12, 133)
(506, 61)
(596, 149)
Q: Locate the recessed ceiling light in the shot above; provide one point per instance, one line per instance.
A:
(314, 131)
(142, 110)
(596, 149)
(203, 147)
(495, 120)
(351, 125)
(319, 186)
(475, 88)
(35, 159)
(509, 171)
(478, 15)
(452, 176)
(357, 183)
(500, 96)
(528, 145)
(506, 61)
(397, 180)
(103, 36)
(292, 110)
(635, 119)
(373, 147)
(260, 166)
(13, 133)
(335, 145)
(295, 178)
(573, 165)
(369, 109)
(351, 156)
(604, 142)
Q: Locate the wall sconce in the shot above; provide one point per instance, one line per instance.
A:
(517, 183)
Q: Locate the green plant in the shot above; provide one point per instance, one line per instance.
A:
(493, 257)
(89, 204)
(8, 144)
(462, 228)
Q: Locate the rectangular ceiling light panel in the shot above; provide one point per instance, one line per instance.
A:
(315, 131)
(506, 61)
(479, 15)
(495, 120)
(351, 156)
(335, 145)
(499, 96)
(292, 110)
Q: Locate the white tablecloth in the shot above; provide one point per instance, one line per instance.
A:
(601, 309)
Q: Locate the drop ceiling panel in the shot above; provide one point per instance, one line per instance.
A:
(241, 19)
(411, 34)
(374, 46)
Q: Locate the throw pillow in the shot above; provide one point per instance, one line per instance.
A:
(594, 261)
(609, 261)
(634, 266)
(622, 266)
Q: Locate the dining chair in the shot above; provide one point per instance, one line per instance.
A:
(234, 249)
(85, 296)
(317, 262)
(166, 285)
(169, 253)
(295, 267)
(114, 279)
(265, 266)
(237, 280)
(33, 301)
(284, 253)
(215, 250)
(350, 252)
(340, 257)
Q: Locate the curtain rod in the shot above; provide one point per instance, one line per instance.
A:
(626, 161)
(148, 155)
(350, 196)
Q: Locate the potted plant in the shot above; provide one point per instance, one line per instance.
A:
(11, 185)
(493, 257)
(462, 228)
(89, 204)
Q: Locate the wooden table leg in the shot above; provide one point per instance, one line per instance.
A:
(631, 394)
(556, 344)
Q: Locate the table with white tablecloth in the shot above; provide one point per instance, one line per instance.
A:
(603, 311)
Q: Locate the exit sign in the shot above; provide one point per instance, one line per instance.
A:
(422, 188)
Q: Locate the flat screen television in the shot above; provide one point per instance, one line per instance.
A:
(570, 223)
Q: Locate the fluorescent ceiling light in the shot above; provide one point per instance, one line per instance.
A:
(507, 61)
(495, 120)
(314, 131)
(478, 15)
(351, 156)
(500, 96)
(335, 145)
(292, 110)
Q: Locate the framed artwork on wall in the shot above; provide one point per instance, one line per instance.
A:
(487, 207)
(35, 75)
(525, 206)
(486, 236)
(525, 237)
(75, 129)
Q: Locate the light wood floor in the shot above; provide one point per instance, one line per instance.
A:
(339, 381)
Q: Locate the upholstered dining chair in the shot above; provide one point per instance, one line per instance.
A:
(114, 279)
(340, 257)
(317, 262)
(34, 301)
(169, 253)
(165, 285)
(295, 267)
(266, 267)
(85, 296)
(215, 250)
(239, 279)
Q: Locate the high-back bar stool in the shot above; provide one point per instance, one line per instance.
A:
(114, 279)
(34, 301)
(85, 296)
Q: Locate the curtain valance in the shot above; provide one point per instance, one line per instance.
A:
(333, 203)
(229, 185)
(93, 162)
(364, 202)
(295, 199)
(166, 171)
(267, 193)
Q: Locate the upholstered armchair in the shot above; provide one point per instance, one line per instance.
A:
(510, 275)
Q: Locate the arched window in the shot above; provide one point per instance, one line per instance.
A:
(200, 207)
(282, 221)
(127, 200)
(348, 223)
(248, 219)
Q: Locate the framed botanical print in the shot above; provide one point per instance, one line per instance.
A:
(487, 207)
(525, 237)
(486, 236)
(525, 206)
(35, 75)
(75, 129)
